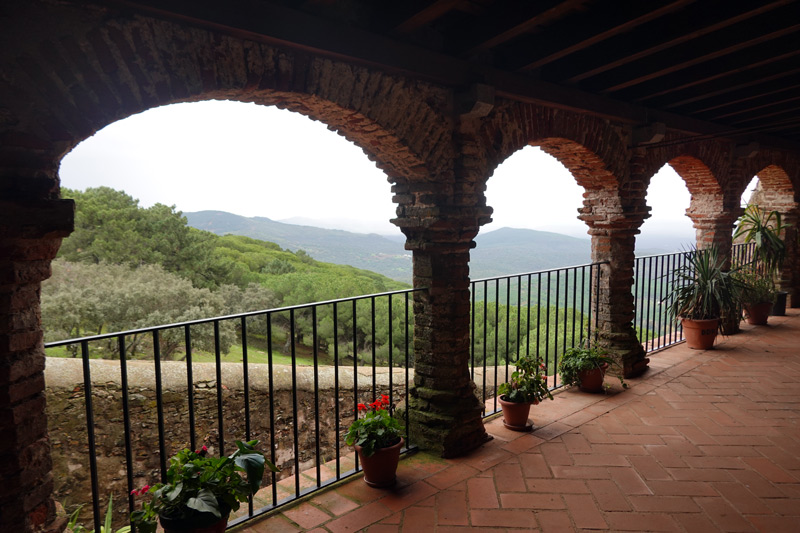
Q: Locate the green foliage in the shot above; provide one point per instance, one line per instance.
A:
(701, 289)
(764, 229)
(527, 383)
(74, 527)
(583, 358)
(88, 299)
(110, 227)
(378, 429)
(198, 483)
(502, 333)
(755, 287)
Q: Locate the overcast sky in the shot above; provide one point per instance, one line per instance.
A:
(262, 161)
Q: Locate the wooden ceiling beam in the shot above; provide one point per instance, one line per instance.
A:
(766, 81)
(432, 12)
(561, 41)
(719, 48)
(726, 13)
(724, 74)
(510, 24)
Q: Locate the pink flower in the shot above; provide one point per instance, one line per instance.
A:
(144, 489)
(134, 492)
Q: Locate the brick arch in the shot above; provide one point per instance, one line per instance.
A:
(109, 68)
(592, 149)
(699, 178)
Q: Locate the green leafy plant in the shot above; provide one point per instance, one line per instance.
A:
(764, 229)
(527, 383)
(74, 527)
(199, 483)
(755, 288)
(701, 289)
(582, 359)
(378, 429)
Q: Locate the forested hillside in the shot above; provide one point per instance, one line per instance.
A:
(499, 252)
(127, 267)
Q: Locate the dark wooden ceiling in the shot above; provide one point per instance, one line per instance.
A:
(705, 67)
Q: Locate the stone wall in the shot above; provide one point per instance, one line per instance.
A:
(66, 414)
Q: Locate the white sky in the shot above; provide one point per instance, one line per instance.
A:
(262, 161)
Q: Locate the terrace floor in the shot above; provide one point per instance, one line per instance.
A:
(704, 441)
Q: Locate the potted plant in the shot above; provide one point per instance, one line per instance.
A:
(201, 490)
(527, 386)
(377, 438)
(587, 367)
(701, 293)
(757, 295)
(764, 229)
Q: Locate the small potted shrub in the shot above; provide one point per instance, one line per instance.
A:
(587, 367)
(757, 294)
(202, 490)
(527, 386)
(702, 291)
(377, 438)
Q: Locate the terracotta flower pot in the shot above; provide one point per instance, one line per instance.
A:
(592, 380)
(757, 314)
(515, 415)
(380, 468)
(198, 523)
(700, 334)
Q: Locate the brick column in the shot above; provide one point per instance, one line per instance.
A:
(30, 234)
(790, 276)
(613, 230)
(714, 227)
(445, 413)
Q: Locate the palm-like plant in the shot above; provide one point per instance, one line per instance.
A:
(764, 229)
(701, 289)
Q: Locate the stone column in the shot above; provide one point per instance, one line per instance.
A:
(790, 276)
(445, 413)
(613, 230)
(31, 230)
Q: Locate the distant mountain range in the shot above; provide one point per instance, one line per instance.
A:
(500, 252)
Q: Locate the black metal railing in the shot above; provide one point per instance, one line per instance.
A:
(536, 313)
(651, 286)
(300, 424)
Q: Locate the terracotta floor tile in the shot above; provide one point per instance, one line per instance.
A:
(709, 442)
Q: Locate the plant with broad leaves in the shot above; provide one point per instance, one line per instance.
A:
(199, 483)
(378, 429)
(585, 358)
(527, 384)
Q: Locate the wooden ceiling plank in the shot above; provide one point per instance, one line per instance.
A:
(756, 108)
(697, 27)
(730, 88)
(427, 15)
(724, 72)
(557, 36)
(760, 118)
(669, 68)
(509, 25)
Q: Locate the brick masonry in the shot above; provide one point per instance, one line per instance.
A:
(69, 70)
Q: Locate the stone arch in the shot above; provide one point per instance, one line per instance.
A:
(592, 149)
(108, 68)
